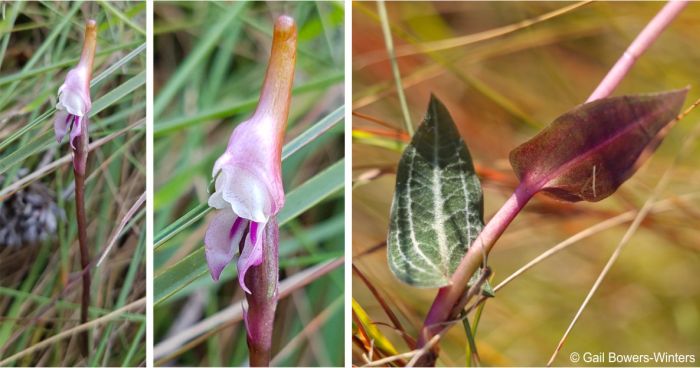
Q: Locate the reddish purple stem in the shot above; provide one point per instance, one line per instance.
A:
(447, 304)
(80, 155)
(640, 44)
(262, 302)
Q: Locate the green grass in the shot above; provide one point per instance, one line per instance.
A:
(210, 61)
(38, 297)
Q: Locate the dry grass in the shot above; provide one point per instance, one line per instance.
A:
(500, 91)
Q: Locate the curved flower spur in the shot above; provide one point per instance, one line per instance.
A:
(249, 194)
(72, 116)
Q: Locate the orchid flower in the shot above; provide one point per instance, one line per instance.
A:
(249, 194)
(72, 116)
(248, 176)
(74, 94)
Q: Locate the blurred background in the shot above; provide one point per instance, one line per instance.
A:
(502, 82)
(210, 60)
(40, 286)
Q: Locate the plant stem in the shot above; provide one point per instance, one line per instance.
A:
(447, 304)
(640, 44)
(262, 302)
(79, 165)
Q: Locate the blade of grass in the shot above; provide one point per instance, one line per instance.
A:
(311, 328)
(203, 48)
(141, 303)
(8, 23)
(127, 285)
(118, 13)
(72, 61)
(234, 313)
(384, 20)
(136, 344)
(394, 320)
(175, 124)
(313, 132)
(55, 32)
(41, 300)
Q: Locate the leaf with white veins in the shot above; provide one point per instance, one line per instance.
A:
(438, 206)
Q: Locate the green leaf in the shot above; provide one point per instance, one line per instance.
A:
(438, 204)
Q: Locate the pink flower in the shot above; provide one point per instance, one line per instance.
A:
(74, 95)
(248, 175)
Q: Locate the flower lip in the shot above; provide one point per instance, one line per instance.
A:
(225, 232)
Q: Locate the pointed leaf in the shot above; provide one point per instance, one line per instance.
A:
(438, 204)
(587, 153)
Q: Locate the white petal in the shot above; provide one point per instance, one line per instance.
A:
(217, 201)
(72, 102)
(247, 195)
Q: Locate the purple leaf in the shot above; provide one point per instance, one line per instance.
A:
(587, 153)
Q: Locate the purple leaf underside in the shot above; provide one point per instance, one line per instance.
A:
(588, 152)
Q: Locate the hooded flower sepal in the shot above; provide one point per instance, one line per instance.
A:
(248, 176)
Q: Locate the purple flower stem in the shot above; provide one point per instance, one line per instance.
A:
(262, 302)
(448, 303)
(640, 44)
(80, 155)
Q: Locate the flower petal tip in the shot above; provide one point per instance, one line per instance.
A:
(215, 264)
(241, 281)
(219, 247)
(215, 274)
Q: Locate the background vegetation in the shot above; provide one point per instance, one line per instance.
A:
(40, 283)
(210, 59)
(503, 81)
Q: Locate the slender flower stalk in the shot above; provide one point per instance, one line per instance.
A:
(448, 303)
(249, 194)
(72, 116)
